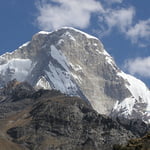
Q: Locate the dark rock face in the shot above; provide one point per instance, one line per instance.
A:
(71, 124)
(116, 90)
(15, 96)
(136, 126)
(135, 144)
(17, 90)
(49, 120)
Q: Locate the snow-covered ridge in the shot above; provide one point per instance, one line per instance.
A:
(7, 54)
(44, 32)
(68, 35)
(70, 28)
(25, 44)
(140, 95)
(76, 30)
(137, 88)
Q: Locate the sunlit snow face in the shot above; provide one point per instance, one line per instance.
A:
(140, 94)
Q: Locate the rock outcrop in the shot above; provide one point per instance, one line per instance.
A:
(136, 144)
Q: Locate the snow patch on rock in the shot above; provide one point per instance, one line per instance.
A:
(42, 84)
(68, 36)
(76, 67)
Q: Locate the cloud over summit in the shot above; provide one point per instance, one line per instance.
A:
(66, 13)
(53, 14)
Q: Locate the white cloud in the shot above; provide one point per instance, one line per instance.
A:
(139, 66)
(66, 13)
(53, 14)
(113, 1)
(140, 31)
(121, 18)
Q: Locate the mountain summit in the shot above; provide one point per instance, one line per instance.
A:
(77, 64)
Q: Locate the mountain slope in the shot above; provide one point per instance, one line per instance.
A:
(77, 64)
(46, 119)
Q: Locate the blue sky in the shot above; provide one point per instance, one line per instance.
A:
(123, 26)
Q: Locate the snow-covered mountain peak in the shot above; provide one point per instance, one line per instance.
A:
(77, 64)
(67, 29)
(78, 31)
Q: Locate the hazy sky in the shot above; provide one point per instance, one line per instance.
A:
(123, 26)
